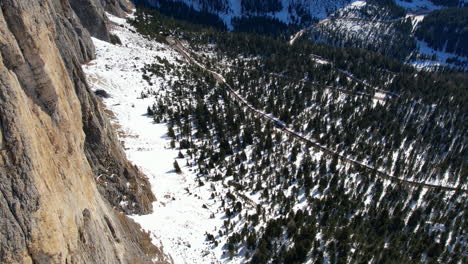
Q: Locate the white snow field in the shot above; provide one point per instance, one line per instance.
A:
(179, 222)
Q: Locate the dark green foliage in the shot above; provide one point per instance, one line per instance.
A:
(260, 6)
(452, 3)
(263, 25)
(309, 204)
(390, 5)
(446, 29)
(181, 11)
(177, 167)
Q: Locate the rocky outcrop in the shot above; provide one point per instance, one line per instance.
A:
(92, 17)
(117, 7)
(63, 175)
(92, 14)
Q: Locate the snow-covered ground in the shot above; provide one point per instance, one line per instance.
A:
(440, 58)
(180, 221)
(184, 211)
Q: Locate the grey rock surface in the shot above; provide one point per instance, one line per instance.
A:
(117, 7)
(92, 17)
(54, 143)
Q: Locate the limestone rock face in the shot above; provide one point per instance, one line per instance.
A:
(117, 7)
(92, 14)
(92, 17)
(63, 174)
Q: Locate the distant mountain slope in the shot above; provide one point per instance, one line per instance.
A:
(446, 30)
(384, 26)
(380, 26)
(292, 11)
(419, 5)
(286, 11)
(415, 34)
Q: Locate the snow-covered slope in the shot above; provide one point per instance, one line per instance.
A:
(183, 210)
(433, 59)
(368, 26)
(272, 183)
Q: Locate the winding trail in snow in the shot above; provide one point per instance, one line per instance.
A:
(348, 74)
(301, 32)
(183, 210)
(282, 127)
(341, 90)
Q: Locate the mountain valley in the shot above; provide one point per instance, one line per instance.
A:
(233, 131)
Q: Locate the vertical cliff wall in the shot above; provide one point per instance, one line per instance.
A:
(64, 180)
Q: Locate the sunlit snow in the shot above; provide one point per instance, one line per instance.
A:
(179, 222)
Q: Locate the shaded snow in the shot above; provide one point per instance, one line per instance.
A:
(441, 58)
(418, 5)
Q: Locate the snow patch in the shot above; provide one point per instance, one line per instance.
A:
(440, 58)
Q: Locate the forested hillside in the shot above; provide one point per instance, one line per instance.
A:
(376, 25)
(389, 27)
(261, 6)
(323, 154)
(289, 12)
(451, 3)
(446, 30)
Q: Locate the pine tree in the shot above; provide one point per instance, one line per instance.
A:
(177, 168)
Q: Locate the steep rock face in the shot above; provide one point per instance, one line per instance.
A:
(54, 141)
(117, 7)
(92, 14)
(92, 17)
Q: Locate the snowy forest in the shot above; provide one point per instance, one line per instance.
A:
(336, 154)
